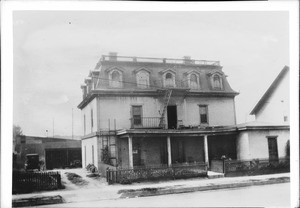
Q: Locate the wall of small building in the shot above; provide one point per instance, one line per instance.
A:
(257, 143)
(278, 104)
(242, 146)
(88, 157)
(86, 111)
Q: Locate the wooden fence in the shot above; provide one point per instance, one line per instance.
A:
(156, 172)
(256, 166)
(26, 182)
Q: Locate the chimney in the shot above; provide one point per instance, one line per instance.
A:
(187, 60)
(113, 56)
(84, 91)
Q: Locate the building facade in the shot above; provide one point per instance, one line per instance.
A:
(150, 111)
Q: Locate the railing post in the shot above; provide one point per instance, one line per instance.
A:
(107, 175)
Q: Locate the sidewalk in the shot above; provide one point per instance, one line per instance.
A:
(116, 191)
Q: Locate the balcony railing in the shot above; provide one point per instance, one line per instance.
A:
(160, 60)
(145, 122)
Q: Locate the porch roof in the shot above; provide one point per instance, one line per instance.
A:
(177, 132)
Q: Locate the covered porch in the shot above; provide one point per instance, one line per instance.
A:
(138, 148)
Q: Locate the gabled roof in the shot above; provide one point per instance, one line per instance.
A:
(270, 90)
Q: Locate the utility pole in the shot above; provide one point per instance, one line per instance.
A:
(72, 124)
(53, 126)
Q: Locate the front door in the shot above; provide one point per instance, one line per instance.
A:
(136, 151)
(273, 150)
(172, 116)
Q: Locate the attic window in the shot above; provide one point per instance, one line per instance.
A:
(169, 80)
(115, 79)
(142, 79)
(194, 81)
(217, 82)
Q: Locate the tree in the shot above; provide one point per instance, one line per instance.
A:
(287, 149)
(17, 131)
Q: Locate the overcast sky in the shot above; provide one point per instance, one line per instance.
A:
(54, 51)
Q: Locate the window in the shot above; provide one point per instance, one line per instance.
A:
(169, 80)
(194, 81)
(137, 115)
(142, 79)
(217, 82)
(115, 79)
(203, 114)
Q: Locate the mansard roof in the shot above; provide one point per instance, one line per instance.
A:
(156, 68)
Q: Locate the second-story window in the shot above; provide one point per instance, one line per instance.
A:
(142, 79)
(194, 81)
(169, 80)
(203, 114)
(137, 115)
(217, 82)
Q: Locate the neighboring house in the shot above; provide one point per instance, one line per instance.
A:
(151, 111)
(267, 136)
(274, 104)
(55, 152)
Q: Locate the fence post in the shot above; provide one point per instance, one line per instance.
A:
(58, 180)
(107, 175)
(224, 166)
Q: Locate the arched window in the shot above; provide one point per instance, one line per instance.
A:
(217, 83)
(116, 79)
(169, 81)
(194, 81)
(142, 79)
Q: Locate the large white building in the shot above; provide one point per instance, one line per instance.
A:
(157, 111)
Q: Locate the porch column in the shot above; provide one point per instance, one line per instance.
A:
(130, 151)
(206, 150)
(169, 151)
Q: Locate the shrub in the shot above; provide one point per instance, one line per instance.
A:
(287, 149)
(105, 156)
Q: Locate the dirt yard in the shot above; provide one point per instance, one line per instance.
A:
(78, 178)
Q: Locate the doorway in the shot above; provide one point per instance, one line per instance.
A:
(273, 149)
(172, 116)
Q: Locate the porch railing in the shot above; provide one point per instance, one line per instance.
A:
(145, 122)
(175, 171)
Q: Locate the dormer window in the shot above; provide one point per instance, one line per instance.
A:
(142, 78)
(192, 79)
(169, 80)
(194, 82)
(217, 82)
(115, 78)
